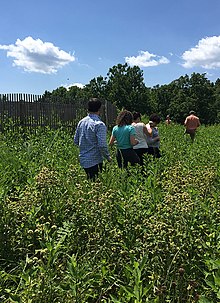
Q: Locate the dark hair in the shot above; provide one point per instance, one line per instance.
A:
(94, 105)
(155, 118)
(136, 115)
(124, 118)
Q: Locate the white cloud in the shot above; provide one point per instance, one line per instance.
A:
(146, 59)
(205, 54)
(80, 85)
(37, 56)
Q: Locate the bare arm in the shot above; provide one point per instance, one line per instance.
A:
(147, 132)
(112, 140)
(133, 140)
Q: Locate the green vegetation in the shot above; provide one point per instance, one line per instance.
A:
(124, 86)
(127, 238)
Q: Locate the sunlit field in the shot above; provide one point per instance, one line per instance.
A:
(136, 236)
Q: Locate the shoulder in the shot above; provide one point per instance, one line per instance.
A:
(82, 120)
(100, 124)
(115, 128)
(140, 124)
(130, 127)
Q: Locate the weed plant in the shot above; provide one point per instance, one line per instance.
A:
(132, 236)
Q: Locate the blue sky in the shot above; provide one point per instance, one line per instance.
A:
(45, 44)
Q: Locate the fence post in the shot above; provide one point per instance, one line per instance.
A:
(31, 110)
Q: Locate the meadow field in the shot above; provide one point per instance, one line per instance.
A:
(129, 237)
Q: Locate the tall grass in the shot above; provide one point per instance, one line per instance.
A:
(128, 237)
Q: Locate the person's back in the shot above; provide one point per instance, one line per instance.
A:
(191, 123)
(168, 121)
(154, 141)
(140, 136)
(89, 144)
(124, 135)
(155, 134)
(90, 136)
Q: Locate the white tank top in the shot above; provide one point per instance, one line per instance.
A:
(140, 136)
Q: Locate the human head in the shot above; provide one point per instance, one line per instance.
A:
(124, 118)
(192, 112)
(136, 115)
(155, 119)
(94, 105)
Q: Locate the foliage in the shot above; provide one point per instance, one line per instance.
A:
(132, 237)
(124, 86)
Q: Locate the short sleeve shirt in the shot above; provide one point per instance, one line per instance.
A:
(122, 135)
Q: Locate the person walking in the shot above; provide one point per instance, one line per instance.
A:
(168, 120)
(90, 136)
(154, 141)
(123, 134)
(191, 124)
(141, 135)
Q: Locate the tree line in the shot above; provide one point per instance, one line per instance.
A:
(124, 86)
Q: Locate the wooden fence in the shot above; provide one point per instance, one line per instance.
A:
(34, 110)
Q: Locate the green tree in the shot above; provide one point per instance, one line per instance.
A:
(59, 95)
(181, 100)
(161, 97)
(75, 93)
(185, 94)
(126, 88)
(202, 94)
(96, 88)
(217, 101)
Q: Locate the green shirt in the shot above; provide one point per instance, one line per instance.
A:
(122, 135)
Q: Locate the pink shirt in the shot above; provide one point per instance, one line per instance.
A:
(192, 122)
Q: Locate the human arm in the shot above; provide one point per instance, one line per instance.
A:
(147, 131)
(76, 136)
(185, 122)
(112, 140)
(102, 141)
(155, 136)
(133, 140)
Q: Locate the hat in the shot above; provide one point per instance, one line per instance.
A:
(192, 112)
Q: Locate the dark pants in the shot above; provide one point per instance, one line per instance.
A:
(92, 172)
(125, 156)
(154, 151)
(140, 152)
